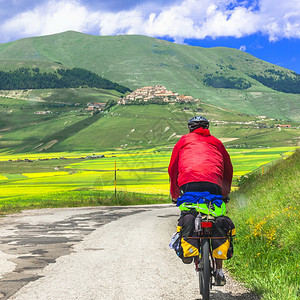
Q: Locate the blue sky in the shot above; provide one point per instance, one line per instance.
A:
(267, 29)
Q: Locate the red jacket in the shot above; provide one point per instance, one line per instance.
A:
(198, 156)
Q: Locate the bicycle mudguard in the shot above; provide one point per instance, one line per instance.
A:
(214, 210)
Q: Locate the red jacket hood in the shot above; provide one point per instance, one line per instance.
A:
(202, 131)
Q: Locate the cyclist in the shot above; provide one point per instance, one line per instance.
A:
(200, 163)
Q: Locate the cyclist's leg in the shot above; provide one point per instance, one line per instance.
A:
(219, 263)
(220, 278)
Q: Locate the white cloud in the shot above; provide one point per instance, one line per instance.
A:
(237, 23)
(181, 20)
(199, 19)
(280, 19)
(121, 23)
(51, 17)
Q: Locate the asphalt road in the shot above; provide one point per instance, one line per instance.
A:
(98, 253)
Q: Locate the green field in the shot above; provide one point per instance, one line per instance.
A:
(68, 127)
(142, 171)
(22, 129)
(56, 99)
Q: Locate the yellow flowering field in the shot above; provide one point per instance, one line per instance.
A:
(2, 177)
(144, 171)
(44, 174)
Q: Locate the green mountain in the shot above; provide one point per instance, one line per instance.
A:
(224, 77)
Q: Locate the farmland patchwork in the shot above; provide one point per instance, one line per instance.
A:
(141, 172)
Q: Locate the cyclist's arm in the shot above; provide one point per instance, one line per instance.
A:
(227, 177)
(173, 172)
(228, 171)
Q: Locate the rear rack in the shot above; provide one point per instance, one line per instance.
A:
(207, 237)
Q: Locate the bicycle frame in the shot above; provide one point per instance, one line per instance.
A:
(205, 264)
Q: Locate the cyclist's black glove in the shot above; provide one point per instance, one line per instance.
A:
(174, 201)
(226, 199)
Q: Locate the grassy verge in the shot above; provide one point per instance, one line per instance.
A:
(266, 213)
(80, 198)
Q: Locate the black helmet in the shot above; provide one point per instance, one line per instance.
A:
(198, 122)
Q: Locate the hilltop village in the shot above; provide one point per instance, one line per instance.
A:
(157, 93)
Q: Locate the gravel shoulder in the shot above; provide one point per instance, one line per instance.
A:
(101, 253)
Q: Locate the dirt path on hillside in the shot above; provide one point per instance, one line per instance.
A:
(98, 253)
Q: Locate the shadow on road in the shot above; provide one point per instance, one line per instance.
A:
(218, 295)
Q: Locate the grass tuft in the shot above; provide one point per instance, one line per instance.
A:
(266, 213)
(80, 198)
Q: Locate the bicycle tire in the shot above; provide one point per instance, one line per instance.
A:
(204, 271)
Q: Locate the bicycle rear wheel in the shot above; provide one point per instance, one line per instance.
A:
(204, 271)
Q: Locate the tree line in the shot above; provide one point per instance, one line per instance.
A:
(280, 82)
(25, 78)
(226, 82)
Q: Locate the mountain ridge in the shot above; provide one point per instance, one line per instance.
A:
(136, 61)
